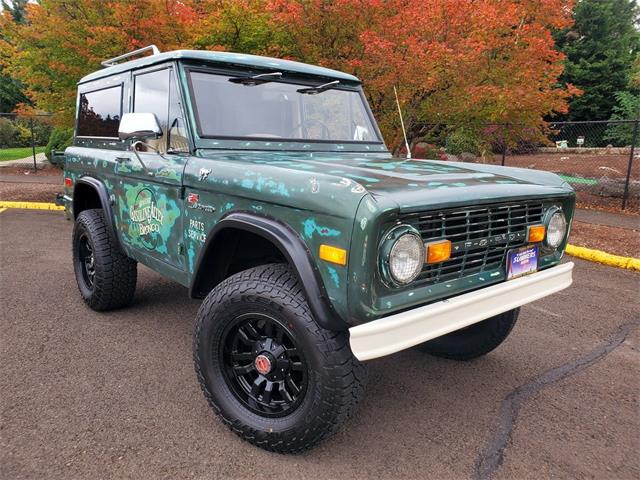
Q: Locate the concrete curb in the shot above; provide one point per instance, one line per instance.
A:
(599, 256)
(31, 205)
(573, 250)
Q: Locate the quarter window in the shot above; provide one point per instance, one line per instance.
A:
(99, 113)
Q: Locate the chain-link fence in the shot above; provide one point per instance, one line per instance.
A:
(23, 139)
(598, 159)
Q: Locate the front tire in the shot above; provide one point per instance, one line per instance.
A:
(269, 371)
(474, 341)
(106, 277)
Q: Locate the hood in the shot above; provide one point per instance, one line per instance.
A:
(413, 184)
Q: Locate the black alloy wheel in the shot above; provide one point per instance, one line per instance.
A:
(269, 371)
(263, 365)
(87, 260)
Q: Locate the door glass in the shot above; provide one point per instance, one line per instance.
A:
(151, 95)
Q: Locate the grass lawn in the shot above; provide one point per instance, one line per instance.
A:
(16, 153)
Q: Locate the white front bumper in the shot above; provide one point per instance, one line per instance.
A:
(403, 330)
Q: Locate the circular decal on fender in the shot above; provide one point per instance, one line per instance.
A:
(146, 218)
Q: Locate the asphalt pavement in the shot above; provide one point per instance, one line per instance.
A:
(46, 179)
(608, 219)
(114, 395)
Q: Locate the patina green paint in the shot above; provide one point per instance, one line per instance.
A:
(333, 273)
(311, 228)
(343, 194)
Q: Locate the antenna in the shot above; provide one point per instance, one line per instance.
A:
(404, 133)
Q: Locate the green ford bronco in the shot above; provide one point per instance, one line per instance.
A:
(265, 188)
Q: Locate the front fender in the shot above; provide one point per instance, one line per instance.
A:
(292, 248)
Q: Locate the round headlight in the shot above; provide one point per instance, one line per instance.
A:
(406, 258)
(556, 230)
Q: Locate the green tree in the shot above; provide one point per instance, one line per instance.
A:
(601, 49)
(10, 89)
(628, 108)
(10, 93)
(16, 8)
(61, 41)
(238, 26)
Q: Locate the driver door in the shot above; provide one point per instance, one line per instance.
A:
(149, 175)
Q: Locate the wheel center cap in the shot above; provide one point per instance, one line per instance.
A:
(262, 364)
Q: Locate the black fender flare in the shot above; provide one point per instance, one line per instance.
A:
(289, 243)
(103, 195)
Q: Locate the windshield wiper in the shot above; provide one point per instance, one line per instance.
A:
(254, 80)
(319, 88)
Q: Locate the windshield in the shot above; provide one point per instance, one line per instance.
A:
(226, 107)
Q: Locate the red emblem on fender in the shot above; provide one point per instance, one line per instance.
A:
(193, 198)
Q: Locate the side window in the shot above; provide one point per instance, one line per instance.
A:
(157, 92)
(99, 113)
(151, 95)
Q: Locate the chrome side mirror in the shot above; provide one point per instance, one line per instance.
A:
(139, 126)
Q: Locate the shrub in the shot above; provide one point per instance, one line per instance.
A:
(463, 140)
(16, 132)
(59, 139)
(41, 130)
(427, 150)
(13, 134)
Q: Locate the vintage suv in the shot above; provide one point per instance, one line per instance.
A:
(264, 186)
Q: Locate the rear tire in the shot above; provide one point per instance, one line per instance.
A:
(106, 277)
(269, 371)
(474, 341)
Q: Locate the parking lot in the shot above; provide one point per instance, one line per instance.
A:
(89, 395)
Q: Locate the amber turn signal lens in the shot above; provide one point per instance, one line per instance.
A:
(536, 233)
(438, 251)
(333, 254)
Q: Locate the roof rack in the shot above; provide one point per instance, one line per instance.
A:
(112, 61)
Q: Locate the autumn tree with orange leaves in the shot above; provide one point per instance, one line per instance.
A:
(63, 41)
(454, 62)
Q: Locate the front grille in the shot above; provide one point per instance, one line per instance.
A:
(480, 237)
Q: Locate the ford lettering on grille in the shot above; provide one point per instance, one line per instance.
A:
(480, 237)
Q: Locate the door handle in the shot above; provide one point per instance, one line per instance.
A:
(122, 159)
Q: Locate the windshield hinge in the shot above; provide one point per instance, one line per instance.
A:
(319, 88)
(254, 80)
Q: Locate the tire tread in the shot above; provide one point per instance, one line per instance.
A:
(474, 341)
(116, 273)
(347, 375)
